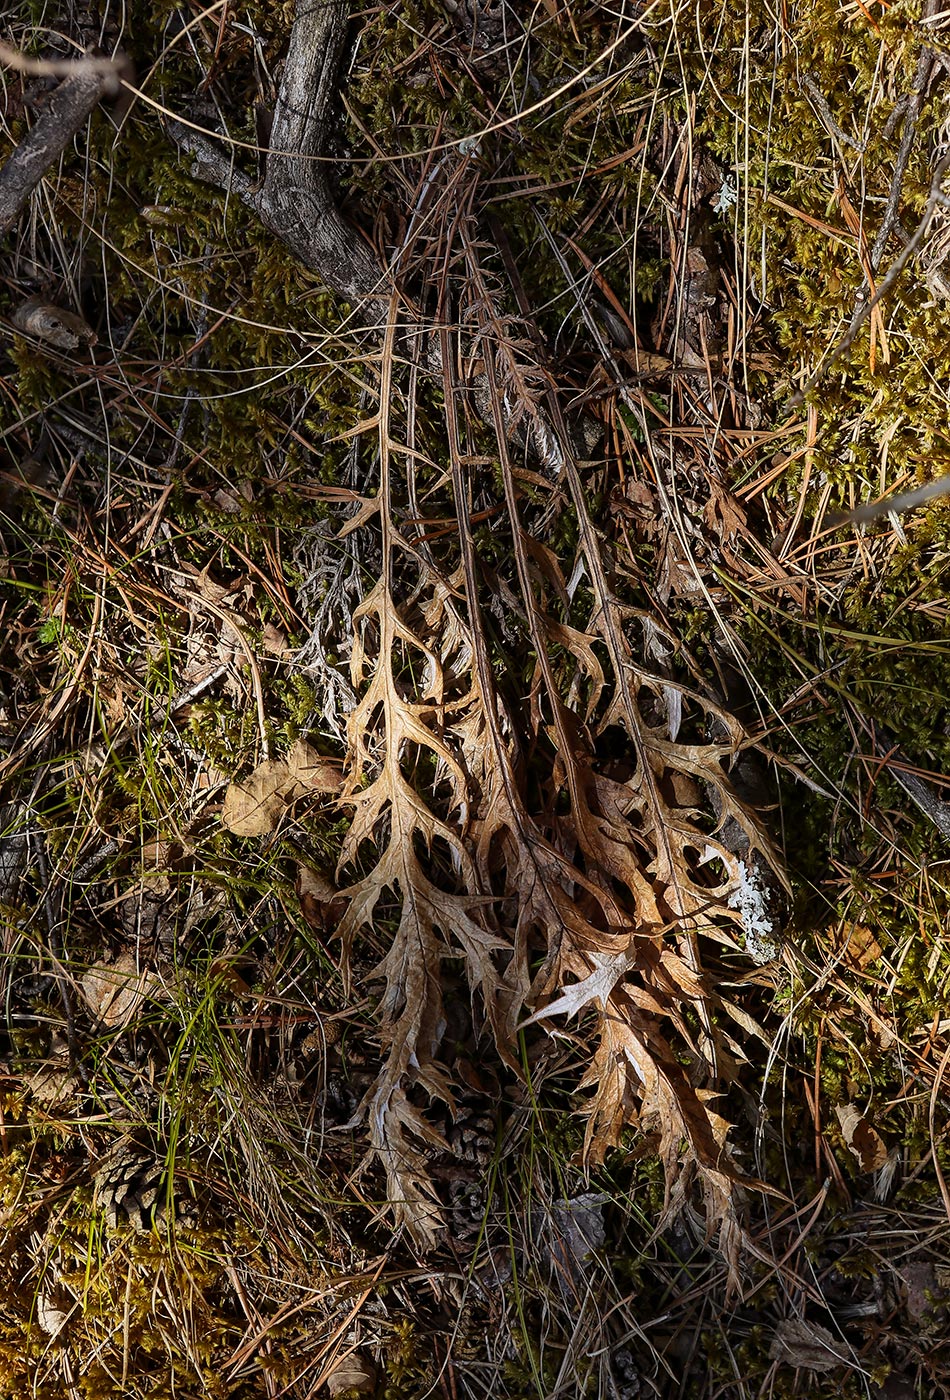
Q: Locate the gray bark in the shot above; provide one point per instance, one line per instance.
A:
(295, 200)
(66, 111)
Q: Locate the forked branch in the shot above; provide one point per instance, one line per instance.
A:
(67, 108)
(295, 200)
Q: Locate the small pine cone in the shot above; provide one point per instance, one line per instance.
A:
(131, 1186)
(472, 1138)
(467, 1203)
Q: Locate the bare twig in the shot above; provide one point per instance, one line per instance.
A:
(825, 113)
(885, 747)
(911, 114)
(904, 501)
(295, 199)
(66, 110)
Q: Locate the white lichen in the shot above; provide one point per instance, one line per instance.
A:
(751, 898)
(727, 196)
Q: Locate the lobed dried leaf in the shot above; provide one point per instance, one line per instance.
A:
(593, 902)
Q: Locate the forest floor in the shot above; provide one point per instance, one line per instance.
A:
(474, 715)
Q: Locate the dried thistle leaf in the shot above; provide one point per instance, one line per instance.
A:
(614, 878)
(634, 835)
(415, 701)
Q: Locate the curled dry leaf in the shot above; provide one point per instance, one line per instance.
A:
(64, 329)
(321, 903)
(862, 1140)
(115, 991)
(50, 1313)
(254, 805)
(354, 1372)
(312, 771)
(273, 640)
(808, 1346)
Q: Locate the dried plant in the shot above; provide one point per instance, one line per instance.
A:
(569, 891)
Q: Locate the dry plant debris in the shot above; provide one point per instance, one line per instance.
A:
(254, 805)
(472, 839)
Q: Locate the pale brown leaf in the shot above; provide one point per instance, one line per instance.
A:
(52, 1312)
(862, 1140)
(310, 771)
(321, 903)
(808, 1346)
(56, 326)
(254, 805)
(274, 640)
(115, 991)
(353, 1372)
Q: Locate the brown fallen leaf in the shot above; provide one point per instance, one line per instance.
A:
(64, 329)
(353, 1372)
(51, 1084)
(924, 1297)
(808, 1346)
(254, 805)
(861, 1139)
(226, 972)
(321, 903)
(52, 1312)
(54, 1081)
(115, 991)
(274, 640)
(227, 502)
(314, 772)
(860, 945)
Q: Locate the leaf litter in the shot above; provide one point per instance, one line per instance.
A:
(546, 792)
(255, 805)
